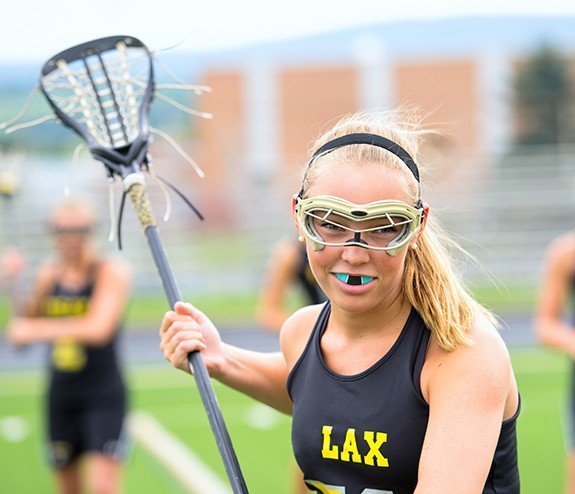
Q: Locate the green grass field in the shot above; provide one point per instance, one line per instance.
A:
(263, 450)
(228, 309)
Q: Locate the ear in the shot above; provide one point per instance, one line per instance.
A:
(294, 215)
(425, 216)
(422, 226)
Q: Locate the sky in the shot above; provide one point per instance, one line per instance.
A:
(34, 30)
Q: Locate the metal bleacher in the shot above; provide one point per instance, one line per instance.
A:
(507, 215)
(504, 214)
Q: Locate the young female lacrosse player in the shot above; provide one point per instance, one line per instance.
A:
(553, 331)
(76, 306)
(400, 383)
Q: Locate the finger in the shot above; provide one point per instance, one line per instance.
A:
(189, 309)
(176, 351)
(184, 308)
(180, 331)
(166, 321)
(169, 318)
(181, 325)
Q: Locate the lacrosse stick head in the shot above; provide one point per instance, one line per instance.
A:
(9, 184)
(102, 90)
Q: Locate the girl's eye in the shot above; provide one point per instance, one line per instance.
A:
(387, 230)
(330, 226)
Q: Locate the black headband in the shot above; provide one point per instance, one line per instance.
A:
(372, 139)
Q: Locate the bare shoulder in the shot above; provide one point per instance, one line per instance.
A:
(488, 347)
(484, 365)
(487, 339)
(286, 252)
(562, 249)
(296, 331)
(47, 272)
(287, 247)
(116, 266)
(564, 241)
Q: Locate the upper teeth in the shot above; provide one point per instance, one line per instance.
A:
(342, 277)
(355, 280)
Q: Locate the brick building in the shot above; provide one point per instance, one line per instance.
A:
(271, 100)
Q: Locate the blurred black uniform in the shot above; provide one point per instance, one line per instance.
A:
(86, 394)
(308, 282)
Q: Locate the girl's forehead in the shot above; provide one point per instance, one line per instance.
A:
(360, 183)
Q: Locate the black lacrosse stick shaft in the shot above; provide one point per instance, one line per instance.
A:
(200, 372)
(141, 203)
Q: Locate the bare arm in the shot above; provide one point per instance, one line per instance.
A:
(558, 271)
(470, 392)
(12, 267)
(259, 375)
(96, 327)
(45, 278)
(271, 310)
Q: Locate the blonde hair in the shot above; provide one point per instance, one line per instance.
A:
(430, 282)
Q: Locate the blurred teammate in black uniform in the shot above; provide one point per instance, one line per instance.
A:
(553, 329)
(76, 305)
(288, 268)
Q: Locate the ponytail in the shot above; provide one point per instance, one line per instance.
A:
(436, 291)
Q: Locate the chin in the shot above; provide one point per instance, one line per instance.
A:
(358, 304)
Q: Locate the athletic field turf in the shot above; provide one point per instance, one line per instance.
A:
(260, 435)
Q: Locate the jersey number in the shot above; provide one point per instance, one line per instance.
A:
(334, 489)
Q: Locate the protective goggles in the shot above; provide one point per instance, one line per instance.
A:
(381, 225)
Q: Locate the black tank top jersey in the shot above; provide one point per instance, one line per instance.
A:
(75, 367)
(307, 280)
(364, 433)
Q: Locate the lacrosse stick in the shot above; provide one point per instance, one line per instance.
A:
(102, 90)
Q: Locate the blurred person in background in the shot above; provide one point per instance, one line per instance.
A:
(552, 329)
(76, 306)
(288, 268)
(400, 382)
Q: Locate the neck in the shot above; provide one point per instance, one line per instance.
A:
(353, 342)
(385, 318)
(78, 263)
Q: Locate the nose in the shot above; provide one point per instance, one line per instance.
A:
(355, 254)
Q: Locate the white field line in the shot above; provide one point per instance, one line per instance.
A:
(174, 455)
